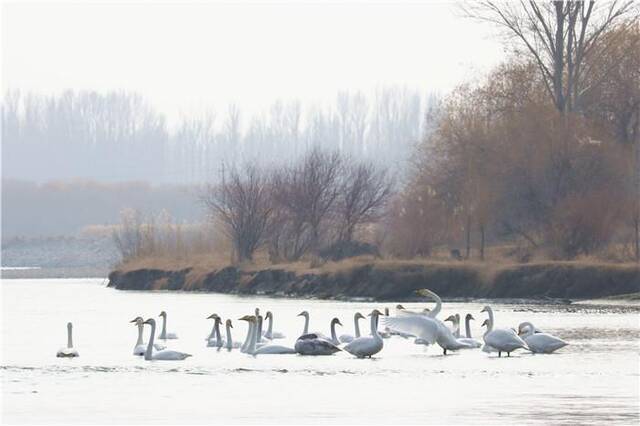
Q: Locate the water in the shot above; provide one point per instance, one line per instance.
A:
(595, 379)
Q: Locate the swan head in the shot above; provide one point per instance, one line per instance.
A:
(213, 316)
(336, 321)
(137, 320)
(257, 311)
(163, 314)
(469, 317)
(486, 309)
(525, 327)
(69, 326)
(374, 312)
(451, 318)
(249, 318)
(268, 315)
(486, 322)
(399, 307)
(426, 310)
(358, 316)
(150, 321)
(229, 324)
(304, 314)
(458, 317)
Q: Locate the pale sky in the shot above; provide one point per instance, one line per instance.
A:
(187, 56)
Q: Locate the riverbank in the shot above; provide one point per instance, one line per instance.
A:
(395, 280)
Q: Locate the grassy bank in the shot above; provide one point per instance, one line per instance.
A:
(384, 279)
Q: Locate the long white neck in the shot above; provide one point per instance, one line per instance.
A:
(229, 341)
(306, 324)
(334, 338)
(149, 352)
(213, 331)
(140, 332)
(247, 339)
(438, 307)
(69, 337)
(270, 327)
(356, 325)
(254, 338)
(163, 333)
(490, 325)
(218, 337)
(374, 326)
(467, 326)
(259, 329)
(456, 332)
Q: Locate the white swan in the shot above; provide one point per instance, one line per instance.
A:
(314, 343)
(270, 334)
(229, 343)
(348, 338)
(455, 319)
(216, 341)
(165, 354)
(141, 347)
(163, 334)
(69, 351)
(271, 349)
(502, 340)
(538, 342)
(435, 311)
(211, 335)
(367, 346)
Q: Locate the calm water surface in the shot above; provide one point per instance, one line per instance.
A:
(595, 379)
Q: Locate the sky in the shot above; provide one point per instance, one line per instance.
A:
(191, 56)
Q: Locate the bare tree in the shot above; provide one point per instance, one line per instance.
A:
(241, 202)
(558, 36)
(364, 192)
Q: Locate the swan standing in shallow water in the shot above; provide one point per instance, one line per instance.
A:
(165, 354)
(69, 351)
(348, 338)
(163, 334)
(141, 347)
(502, 340)
(538, 342)
(367, 346)
(270, 334)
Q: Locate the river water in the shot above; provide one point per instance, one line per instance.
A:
(593, 380)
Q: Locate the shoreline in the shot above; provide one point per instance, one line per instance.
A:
(556, 282)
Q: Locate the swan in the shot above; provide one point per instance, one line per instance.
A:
(435, 311)
(455, 319)
(165, 354)
(525, 324)
(230, 344)
(538, 342)
(259, 325)
(271, 349)
(215, 342)
(348, 338)
(502, 340)
(315, 343)
(163, 334)
(249, 337)
(141, 347)
(211, 335)
(367, 346)
(69, 351)
(270, 334)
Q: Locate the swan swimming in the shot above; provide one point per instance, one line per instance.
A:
(539, 342)
(348, 338)
(366, 346)
(69, 351)
(163, 334)
(270, 334)
(215, 342)
(314, 343)
(502, 340)
(165, 354)
(230, 344)
(141, 347)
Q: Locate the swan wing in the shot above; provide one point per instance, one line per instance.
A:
(544, 343)
(364, 346)
(417, 325)
(306, 345)
(346, 338)
(170, 355)
(274, 350)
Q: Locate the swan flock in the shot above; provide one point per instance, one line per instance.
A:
(423, 327)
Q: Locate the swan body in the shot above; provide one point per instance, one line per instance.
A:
(69, 351)
(165, 354)
(274, 350)
(164, 335)
(366, 346)
(539, 342)
(348, 338)
(316, 343)
(502, 340)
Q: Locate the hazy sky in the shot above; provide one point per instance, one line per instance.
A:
(185, 56)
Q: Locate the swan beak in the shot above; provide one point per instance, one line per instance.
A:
(339, 323)
(486, 322)
(483, 310)
(471, 317)
(134, 320)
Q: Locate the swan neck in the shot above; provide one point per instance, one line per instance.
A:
(259, 330)
(149, 352)
(245, 345)
(69, 338)
(213, 331)
(229, 341)
(306, 325)
(333, 332)
(270, 326)
(374, 325)
(218, 336)
(456, 332)
(140, 332)
(254, 339)
(467, 327)
(438, 307)
(163, 333)
(357, 326)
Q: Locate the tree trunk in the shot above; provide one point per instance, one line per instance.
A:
(482, 242)
(637, 237)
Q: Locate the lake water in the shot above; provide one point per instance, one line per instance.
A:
(594, 380)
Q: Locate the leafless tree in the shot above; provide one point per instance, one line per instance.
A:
(558, 36)
(364, 192)
(241, 202)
